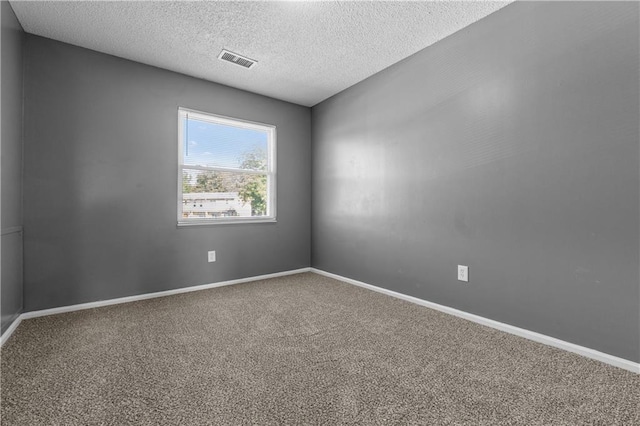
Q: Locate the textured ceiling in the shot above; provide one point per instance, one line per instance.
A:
(306, 51)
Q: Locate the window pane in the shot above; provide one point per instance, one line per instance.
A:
(219, 145)
(216, 194)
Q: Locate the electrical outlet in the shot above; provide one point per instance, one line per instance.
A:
(463, 273)
(211, 256)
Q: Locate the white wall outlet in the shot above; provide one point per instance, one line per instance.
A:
(211, 256)
(463, 273)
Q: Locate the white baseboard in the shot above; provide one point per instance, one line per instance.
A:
(531, 335)
(53, 311)
(9, 331)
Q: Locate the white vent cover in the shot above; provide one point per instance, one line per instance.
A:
(234, 58)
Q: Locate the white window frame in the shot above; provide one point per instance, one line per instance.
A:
(184, 113)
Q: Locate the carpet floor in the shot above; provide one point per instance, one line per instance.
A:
(301, 349)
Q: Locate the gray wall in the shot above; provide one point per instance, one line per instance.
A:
(100, 181)
(11, 168)
(512, 147)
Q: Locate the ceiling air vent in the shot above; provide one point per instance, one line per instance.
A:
(234, 58)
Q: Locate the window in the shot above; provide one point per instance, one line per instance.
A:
(227, 170)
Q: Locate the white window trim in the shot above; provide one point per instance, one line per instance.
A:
(271, 167)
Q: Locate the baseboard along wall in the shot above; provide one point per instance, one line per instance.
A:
(53, 311)
(531, 335)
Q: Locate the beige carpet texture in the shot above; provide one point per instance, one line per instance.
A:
(297, 350)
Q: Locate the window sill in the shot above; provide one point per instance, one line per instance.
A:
(226, 222)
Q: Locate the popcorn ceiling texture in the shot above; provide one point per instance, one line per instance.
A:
(306, 51)
(302, 349)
